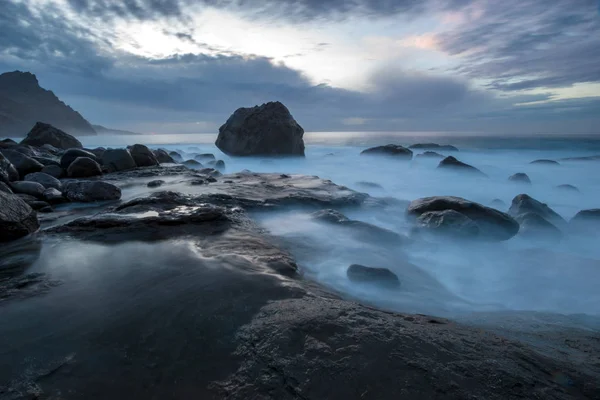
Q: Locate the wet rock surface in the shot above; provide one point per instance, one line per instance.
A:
(31, 188)
(17, 219)
(46, 180)
(267, 130)
(90, 191)
(22, 163)
(492, 223)
(389, 150)
(447, 223)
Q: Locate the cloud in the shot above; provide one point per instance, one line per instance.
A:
(526, 44)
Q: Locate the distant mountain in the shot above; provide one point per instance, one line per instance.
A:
(23, 103)
(102, 130)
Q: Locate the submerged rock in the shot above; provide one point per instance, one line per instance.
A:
(90, 191)
(8, 172)
(545, 162)
(48, 181)
(430, 154)
(143, 156)
(568, 188)
(369, 185)
(363, 230)
(433, 146)
(492, 223)
(381, 276)
(389, 150)
(176, 156)
(205, 157)
(454, 164)
(30, 188)
(520, 177)
(449, 223)
(155, 183)
(534, 226)
(524, 203)
(72, 154)
(22, 163)
(266, 130)
(42, 134)
(498, 203)
(17, 219)
(586, 221)
(118, 160)
(84, 167)
(192, 163)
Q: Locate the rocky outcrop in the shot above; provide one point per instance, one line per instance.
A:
(163, 157)
(448, 223)
(22, 163)
(523, 204)
(17, 219)
(72, 154)
(392, 150)
(45, 134)
(84, 167)
(266, 130)
(520, 177)
(379, 276)
(90, 191)
(433, 146)
(118, 160)
(46, 180)
(143, 156)
(23, 103)
(451, 163)
(493, 224)
(8, 172)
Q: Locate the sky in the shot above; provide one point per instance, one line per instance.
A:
(184, 66)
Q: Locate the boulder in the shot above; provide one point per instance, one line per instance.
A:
(118, 160)
(534, 226)
(493, 224)
(51, 149)
(83, 167)
(53, 196)
(27, 150)
(31, 188)
(45, 161)
(447, 222)
(218, 165)
(381, 276)
(163, 157)
(90, 191)
(22, 163)
(568, 188)
(46, 180)
(42, 134)
(433, 146)
(586, 221)
(143, 156)
(54, 170)
(524, 203)
(8, 172)
(266, 130)
(520, 177)
(192, 163)
(17, 219)
(204, 157)
(176, 156)
(454, 164)
(5, 188)
(7, 143)
(392, 150)
(545, 162)
(430, 154)
(72, 154)
(156, 183)
(98, 152)
(40, 206)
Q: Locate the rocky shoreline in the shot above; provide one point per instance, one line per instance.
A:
(221, 309)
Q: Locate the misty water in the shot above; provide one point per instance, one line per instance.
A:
(443, 278)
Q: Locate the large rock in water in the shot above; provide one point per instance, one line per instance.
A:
(43, 134)
(17, 219)
(492, 223)
(8, 172)
(118, 160)
(90, 191)
(524, 203)
(143, 156)
(389, 150)
(84, 167)
(447, 222)
(454, 164)
(586, 221)
(266, 130)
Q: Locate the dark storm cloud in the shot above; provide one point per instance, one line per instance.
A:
(526, 44)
